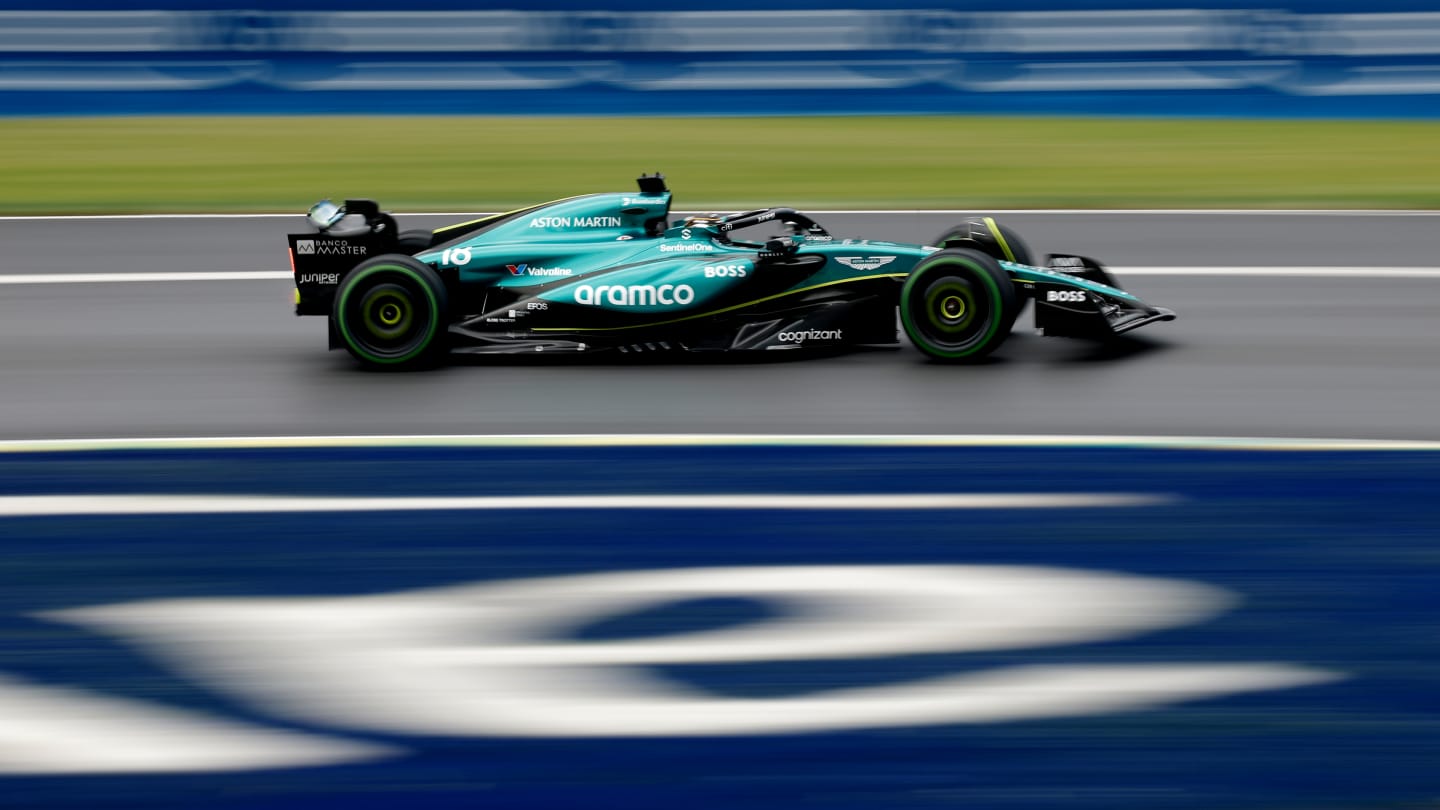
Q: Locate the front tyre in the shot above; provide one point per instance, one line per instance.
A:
(987, 236)
(390, 312)
(958, 305)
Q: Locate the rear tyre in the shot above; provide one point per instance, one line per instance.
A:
(414, 241)
(987, 236)
(390, 312)
(958, 305)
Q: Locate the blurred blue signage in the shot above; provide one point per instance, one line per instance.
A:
(1321, 61)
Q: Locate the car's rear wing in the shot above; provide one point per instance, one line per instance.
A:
(321, 258)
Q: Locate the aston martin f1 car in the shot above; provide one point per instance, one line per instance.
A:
(614, 273)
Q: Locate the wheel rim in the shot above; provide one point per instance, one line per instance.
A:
(952, 314)
(388, 316)
(952, 307)
(388, 312)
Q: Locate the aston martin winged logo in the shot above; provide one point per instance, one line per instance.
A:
(865, 262)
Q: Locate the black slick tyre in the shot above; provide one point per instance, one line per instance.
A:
(958, 305)
(987, 236)
(391, 312)
(415, 241)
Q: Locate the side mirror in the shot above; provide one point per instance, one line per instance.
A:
(781, 247)
(783, 244)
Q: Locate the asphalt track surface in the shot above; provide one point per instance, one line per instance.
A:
(1302, 356)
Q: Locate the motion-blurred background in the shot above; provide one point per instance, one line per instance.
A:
(1027, 77)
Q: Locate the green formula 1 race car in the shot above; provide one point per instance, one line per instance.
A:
(614, 273)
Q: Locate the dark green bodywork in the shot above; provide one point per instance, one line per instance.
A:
(615, 271)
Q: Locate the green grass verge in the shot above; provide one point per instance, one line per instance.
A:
(77, 165)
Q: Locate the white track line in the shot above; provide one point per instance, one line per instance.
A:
(53, 505)
(1328, 212)
(130, 278)
(1352, 273)
(692, 440)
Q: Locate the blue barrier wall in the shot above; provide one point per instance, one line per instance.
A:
(826, 56)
